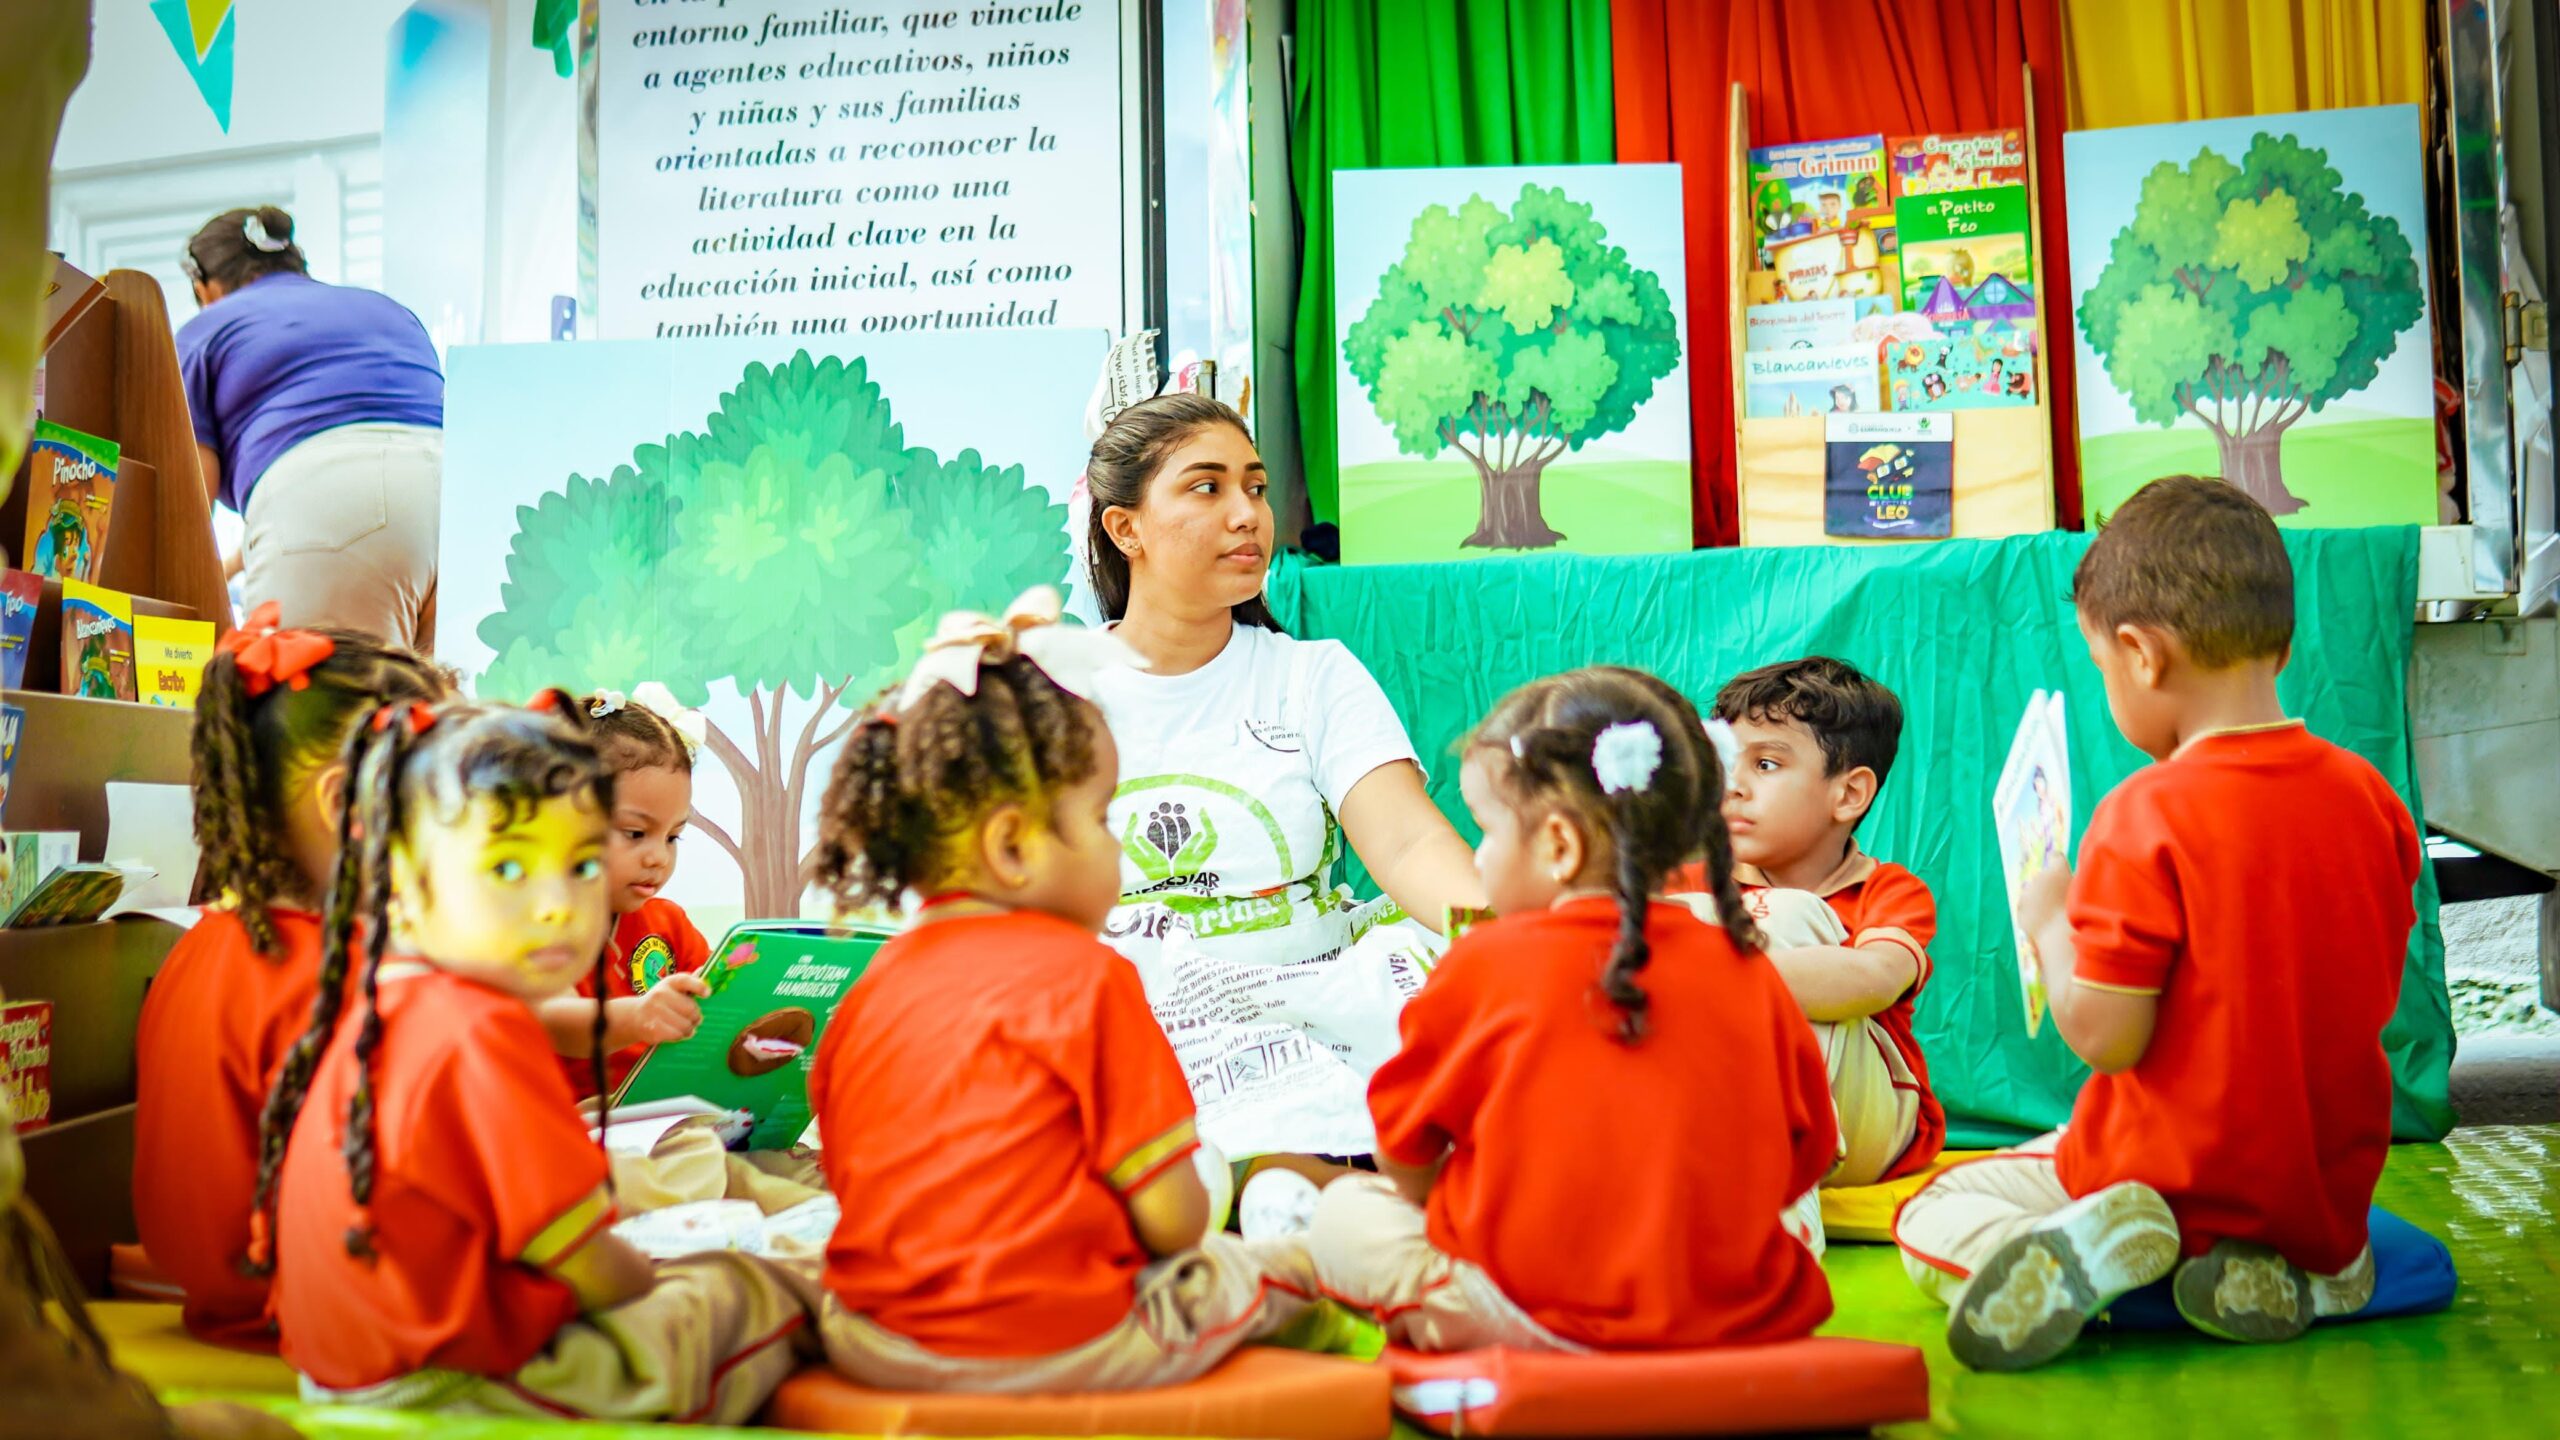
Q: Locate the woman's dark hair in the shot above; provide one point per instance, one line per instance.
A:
(1539, 743)
(254, 753)
(631, 736)
(912, 785)
(228, 251)
(1132, 449)
(410, 762)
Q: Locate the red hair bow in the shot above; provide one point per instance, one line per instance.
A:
(418, 716)
(268, 656)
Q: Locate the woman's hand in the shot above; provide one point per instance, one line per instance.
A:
(1410, 847)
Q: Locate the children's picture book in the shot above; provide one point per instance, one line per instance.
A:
(774, 985)
(1966, 238)
(1933, 164)
(1806, 324)
(12, 720)
(2031, 812)
(71, 895)
(71, 492)
(26, 1061)
(168, 659)
(1888, 477)
(1810, 382)
(28, 858)
(1816, 187)
(97, 642)
(1968, 365)
(20, 592)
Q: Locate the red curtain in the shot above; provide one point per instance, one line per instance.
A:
(1814, 72)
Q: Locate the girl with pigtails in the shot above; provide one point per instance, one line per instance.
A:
(1606, 1107)
(438, 1221)
(270, 794)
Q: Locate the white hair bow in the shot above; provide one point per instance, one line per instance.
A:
(1625, 755)
(687, 723)
(1728, 746)
(1070, 655)
(607, 702)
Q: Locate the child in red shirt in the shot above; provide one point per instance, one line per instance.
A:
(442, 1229)
(2225, 959)
(1004, 1121)
(1596, 1021)
(273, 713)
(1849, 933)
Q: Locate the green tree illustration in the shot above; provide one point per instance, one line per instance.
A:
(2249, 296)
(1511, 338)
(795, 548)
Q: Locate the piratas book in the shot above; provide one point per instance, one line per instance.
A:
(71, 492)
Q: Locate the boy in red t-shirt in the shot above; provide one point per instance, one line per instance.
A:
(2225, 959)
(1849, 933)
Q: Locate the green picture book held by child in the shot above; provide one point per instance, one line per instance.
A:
(774, 985)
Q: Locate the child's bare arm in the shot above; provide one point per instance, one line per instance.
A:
(1841, 982)
(1171, 1212)
(2108, 1028)
(1413, 1182)
(670, 1011)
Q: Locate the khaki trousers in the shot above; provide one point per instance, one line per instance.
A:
(341, 530)
(1371, 1252)
(1874, 1095)
(1192, 1311)
(689, 1163)
(706, 1345)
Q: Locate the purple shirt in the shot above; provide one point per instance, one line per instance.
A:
(285, 357)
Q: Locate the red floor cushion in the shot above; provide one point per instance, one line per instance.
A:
(1816, 1384)
(1261, 1392)
(133, 1275)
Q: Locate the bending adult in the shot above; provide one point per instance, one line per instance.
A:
(319, 413)
(1246, 759)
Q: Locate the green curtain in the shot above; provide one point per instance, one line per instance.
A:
(1962, 631)
(1384, 84)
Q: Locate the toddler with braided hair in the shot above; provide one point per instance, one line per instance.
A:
(272, 716)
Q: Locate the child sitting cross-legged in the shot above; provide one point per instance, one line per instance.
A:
(1004, 1121)
(1850, 933)
(2225, 958)
(1604, 1105)
(441, 1230)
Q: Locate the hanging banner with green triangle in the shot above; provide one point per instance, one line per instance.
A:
(201, 32)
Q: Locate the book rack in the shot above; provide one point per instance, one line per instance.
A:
(2003, 458)
(112, 373)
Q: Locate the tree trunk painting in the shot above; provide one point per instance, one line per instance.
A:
(2254, 461)
(772, 785)
(1511, 461)
(2248, 416)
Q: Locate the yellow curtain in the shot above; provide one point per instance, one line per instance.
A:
(2145, 62)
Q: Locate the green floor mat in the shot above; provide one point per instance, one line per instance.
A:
(2487, 1368)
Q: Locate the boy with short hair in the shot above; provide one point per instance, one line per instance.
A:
(2226, 958)
(1849, 933)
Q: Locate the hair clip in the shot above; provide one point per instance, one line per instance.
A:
(1625, 756)
(268, 655)
(687, 722)
(254, 230)
(606, 703)
(1519, 747)
(1728, 746)
(420, 719)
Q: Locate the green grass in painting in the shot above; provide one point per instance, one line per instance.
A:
(1410, 510)
(2354, 472)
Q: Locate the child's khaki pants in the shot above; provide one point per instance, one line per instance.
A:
(1371, 1252)
(1192, 1311)
(689, 1163)
(1873, 1092)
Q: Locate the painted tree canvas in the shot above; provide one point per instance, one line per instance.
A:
(1511, 364)
(770, 531)
(2250, 302)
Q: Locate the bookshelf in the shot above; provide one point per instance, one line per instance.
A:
(113, 373)
(2003, 458)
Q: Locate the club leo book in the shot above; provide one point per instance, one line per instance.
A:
(1935, 164)
(30, 857)
(168, 659)
(1777, 383)
(774, 985)
(13, 720)
(1965, 365)
(71, 492)
(2031, 813)
(97, 642)
(1958, 244)
(1888, 477)
(20, 592)
(26, 1061)
(1816, 187)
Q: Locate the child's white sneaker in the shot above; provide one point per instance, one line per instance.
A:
(2247, 1293)
(1276, 1203)
(2029, 1301)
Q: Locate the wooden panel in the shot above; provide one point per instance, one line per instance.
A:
(2003, 479)
(81, 1176)
(151, 413)
(70, 748)
(94, 975)
(79, 376)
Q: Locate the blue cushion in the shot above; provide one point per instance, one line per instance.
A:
(2412, 1275)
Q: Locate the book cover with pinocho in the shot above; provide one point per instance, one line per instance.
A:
(774, 985)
